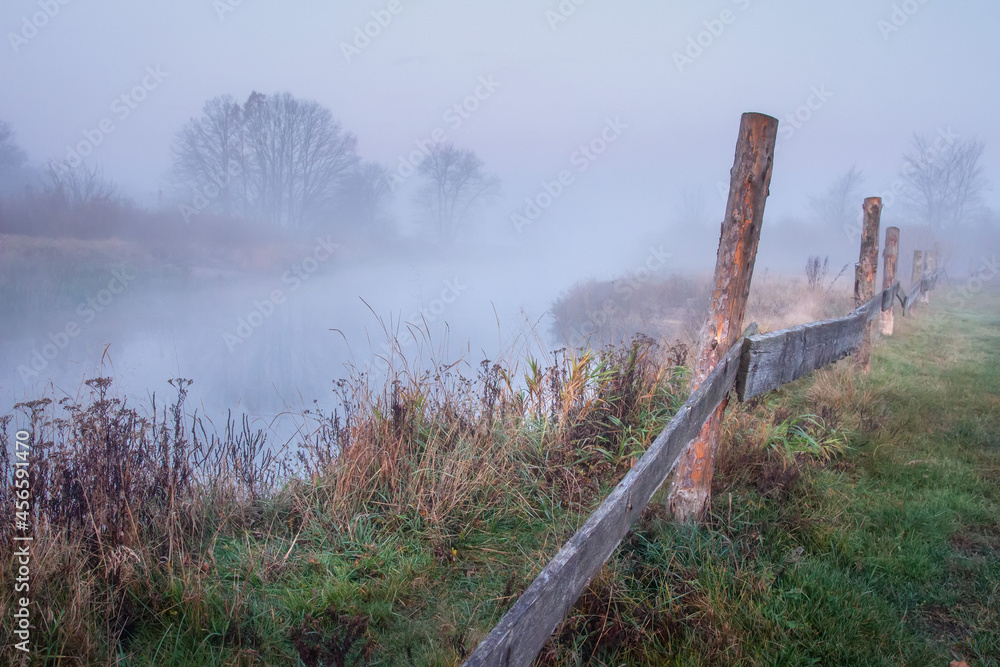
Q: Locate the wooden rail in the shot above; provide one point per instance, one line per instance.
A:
(920, 288)
(773, 359)
(523, 630)
(755, 365)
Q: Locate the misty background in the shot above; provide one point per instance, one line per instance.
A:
(451, 167)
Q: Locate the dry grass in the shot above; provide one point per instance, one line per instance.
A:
(442, 445)
(674, 308)
(119, 500)
(128, 508)
(779, 302)
(602, 312)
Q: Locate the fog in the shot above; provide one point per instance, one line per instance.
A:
(602, 135)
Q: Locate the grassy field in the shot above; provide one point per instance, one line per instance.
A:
(854, 520)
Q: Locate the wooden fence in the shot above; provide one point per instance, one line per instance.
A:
(754, 365)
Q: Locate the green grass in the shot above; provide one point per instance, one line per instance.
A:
(854, 522)
(890, 555)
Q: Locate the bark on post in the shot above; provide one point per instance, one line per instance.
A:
(890, 257)
(690, 490)
(918, 271)
(864, 274)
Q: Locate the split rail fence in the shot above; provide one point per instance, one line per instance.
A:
(752, 365)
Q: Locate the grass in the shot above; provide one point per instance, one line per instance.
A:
(613, 311)
(853, 519)
(886, 555)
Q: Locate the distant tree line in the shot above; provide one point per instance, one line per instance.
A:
(289, 162)
(72, 201)
(273, 159)
(941, 186)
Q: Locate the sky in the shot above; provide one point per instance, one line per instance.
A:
(850, 83)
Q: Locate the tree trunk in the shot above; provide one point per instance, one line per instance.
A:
(690, 490)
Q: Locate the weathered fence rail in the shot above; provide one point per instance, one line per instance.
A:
(921, 287)
(772, 359)
(753, 365)
(523, 630)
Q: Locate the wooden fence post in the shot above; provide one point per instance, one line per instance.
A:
(690, 490)
(918, 271)
(937, 261)
(864, 274)
(890, 259)
(929, 266)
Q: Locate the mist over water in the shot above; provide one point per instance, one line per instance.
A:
(248, 352)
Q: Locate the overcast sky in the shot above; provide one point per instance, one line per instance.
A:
(675, 75)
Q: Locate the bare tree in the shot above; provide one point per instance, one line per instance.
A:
(274, 158)
(364, 196)
(945, 180)
(82, 186)
(840, 205)
(455, 185)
